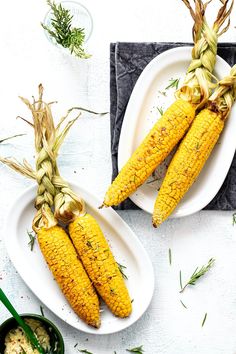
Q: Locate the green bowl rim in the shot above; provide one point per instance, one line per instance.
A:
(42, 319)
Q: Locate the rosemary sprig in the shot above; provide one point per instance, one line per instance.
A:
(204, 319)
(160, 110)
(10, 137)
(234, 219)
(198, 274)
(170, 256)
(63, 32)
(138, 350)
(121, 269)
(174, 83)
(32, 238)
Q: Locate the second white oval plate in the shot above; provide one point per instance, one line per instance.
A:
(142, 112)
(32, 267)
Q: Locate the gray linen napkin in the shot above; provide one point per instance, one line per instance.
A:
(127, 61)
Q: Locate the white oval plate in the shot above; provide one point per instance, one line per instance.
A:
(33, 269)
(142, 113)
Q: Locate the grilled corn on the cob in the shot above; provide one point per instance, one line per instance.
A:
(153, 150)
(100, 264)
(195, 149)
(187, 163)
(69, 273)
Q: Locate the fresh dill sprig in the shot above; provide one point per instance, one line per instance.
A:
(174, 83)
(183, 304)
(204, 319)
(63, 32)
(234, 218)
(198, 274)
(170, 256)
(32, 238)
(121, 269)
(10, 137)
(138, 350)
(160, 110)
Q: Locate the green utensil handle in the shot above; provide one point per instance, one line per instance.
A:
(28, 331)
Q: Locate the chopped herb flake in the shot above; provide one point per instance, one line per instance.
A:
(138, 350)
(170, 256)
(183, 304)
(204, 319)
(180, 280)
(121, 269)
(234, 219)
(160, 110)
(41, 310)
(32, 238)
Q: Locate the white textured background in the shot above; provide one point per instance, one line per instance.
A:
(27, 58)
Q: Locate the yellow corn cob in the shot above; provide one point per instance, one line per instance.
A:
(69, 273)
(157, 145)
(188, 162)
(100, 264)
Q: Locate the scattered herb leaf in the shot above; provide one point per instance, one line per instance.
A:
(132, 301)
(180, 280)
(138, 350)
(85, 351)
(11, 137)
(234, 218)
(63, 32)
(198, 274)
(121, 269)
(204, 319)
(160, 110)
(32, 238)
(75, 345)
(174, 83)
(183, 304)
(162, 93)
(170, 256)
(41, 310)
(89, 244)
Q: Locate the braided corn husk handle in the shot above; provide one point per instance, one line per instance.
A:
(198, 85)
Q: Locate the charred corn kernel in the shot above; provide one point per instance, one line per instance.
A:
(100, 264)
(187, 163)
(69, 273)
(157, 145)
